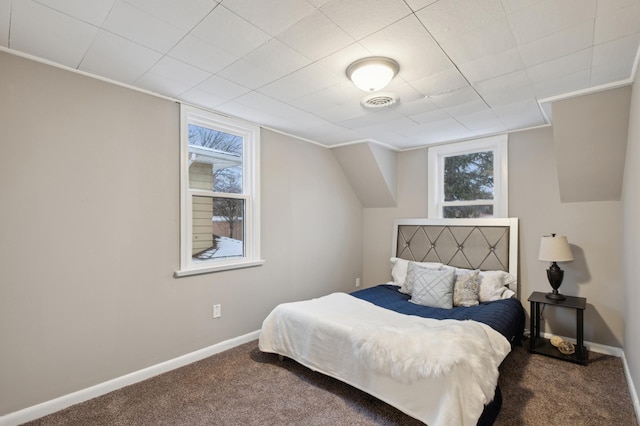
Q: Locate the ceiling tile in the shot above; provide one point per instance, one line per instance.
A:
(416, 5)
(315, 36)
(520, 115)
(279, 114)
(512, 6)
(612, 24)
(229, 33)
(430, 116)
(416, 107)
(442, 82)
(119, 59)
(339, 61)
(560, 67)
(184, 14)
(606, 7)
(213, 92)
(457, 97)
(273, 16)
(391, 126)
(330, 138)
(506, 89)
(481, 121)
(341, 112)
(558, 44)
(448, 19)
(91, 11)
(439, 131)
(550, 16)
(566, 83)
(492, 66)
(480, 43)
(606, 68)
(372, 117)
(142, 28)
(41, 31)
(411, 46)
(473, 106)
(360, 18)
(305, 81)
(318, 3)
(267, 63)
(343, 93)
(199, 53)
(172, 77)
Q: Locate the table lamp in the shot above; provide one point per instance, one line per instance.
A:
(555, 248)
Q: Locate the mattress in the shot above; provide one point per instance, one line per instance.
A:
(319, 334)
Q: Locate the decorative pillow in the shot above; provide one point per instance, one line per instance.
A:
(431, 287)
(493, 285)
(399, 272)
(466, 289)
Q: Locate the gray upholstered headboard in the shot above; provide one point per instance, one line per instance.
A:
(485, 244)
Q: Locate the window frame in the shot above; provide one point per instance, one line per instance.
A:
(498, 145)
(250, 192)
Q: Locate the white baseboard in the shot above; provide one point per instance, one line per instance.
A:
(57, 404)
(593, 347)
(632, 388)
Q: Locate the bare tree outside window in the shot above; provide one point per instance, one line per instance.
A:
(218, 168)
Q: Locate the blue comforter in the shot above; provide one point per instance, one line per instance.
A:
(505, 316)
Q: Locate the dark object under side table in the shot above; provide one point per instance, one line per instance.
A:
(543, 346)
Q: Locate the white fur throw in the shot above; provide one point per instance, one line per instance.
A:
(431, 349)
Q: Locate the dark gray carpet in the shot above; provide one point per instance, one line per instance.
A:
(243, 386)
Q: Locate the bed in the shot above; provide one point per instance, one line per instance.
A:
(420, 343)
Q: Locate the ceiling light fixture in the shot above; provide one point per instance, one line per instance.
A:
(373, 73)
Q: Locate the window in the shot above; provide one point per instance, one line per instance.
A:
(219, 180)
(469, 179)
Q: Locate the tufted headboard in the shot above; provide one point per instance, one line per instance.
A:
(485, 244)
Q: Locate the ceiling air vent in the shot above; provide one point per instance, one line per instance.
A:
(379, 100)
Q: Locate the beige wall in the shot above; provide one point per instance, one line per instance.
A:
(593, 229)
(81, 304)
(631, 240)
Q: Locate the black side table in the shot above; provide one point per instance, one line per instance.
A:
(543, 346)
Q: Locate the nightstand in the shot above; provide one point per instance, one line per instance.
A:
(543, 346)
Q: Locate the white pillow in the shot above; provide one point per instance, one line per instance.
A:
(399, 271)
(493, 285)
(431, 287)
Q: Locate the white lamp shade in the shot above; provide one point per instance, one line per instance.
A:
(555, 248)
(372, 74)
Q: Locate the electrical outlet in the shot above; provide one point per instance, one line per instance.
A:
(217, 311)
(357, 282)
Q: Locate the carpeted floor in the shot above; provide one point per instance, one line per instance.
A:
(243, 386)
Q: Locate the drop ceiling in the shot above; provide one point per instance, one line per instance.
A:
(468, 68)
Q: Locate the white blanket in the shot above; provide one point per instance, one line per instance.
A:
(441, 372)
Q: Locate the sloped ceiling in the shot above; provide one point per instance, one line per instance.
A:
(590, 137)
(372, 172)
(468, 68)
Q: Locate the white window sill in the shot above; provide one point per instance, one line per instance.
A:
(217, 268)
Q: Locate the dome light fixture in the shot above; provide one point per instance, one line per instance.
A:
(373, 73)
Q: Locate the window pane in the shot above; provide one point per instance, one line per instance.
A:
(215, 160)
(218, 228)
(468, 177)
(459, 212)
